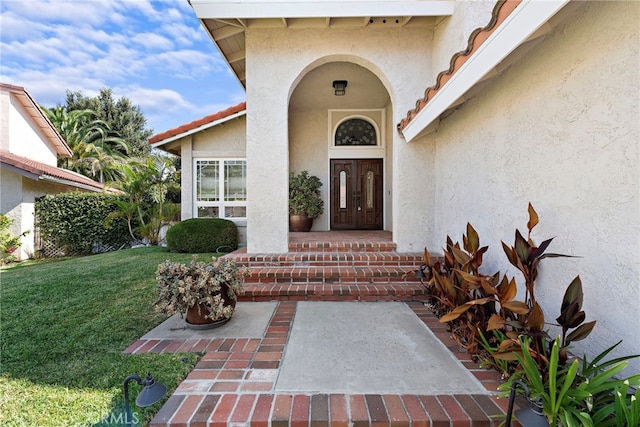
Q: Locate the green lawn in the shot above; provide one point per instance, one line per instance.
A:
(63, 327)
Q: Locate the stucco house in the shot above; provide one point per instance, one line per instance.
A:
(29, 150)
(420, 116)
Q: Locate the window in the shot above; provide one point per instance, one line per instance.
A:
(355, 132)
(221, 188)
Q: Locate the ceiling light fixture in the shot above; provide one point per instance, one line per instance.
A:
(340, 87)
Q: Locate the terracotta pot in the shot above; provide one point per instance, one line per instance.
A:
(300, 223)
(197, 318)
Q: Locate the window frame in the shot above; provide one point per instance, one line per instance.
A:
(222, 204)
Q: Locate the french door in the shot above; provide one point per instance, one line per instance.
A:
(356, 194)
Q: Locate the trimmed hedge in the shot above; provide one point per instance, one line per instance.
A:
(76, 221)
(199, 235)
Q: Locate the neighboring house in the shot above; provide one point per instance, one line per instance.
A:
(29, 150)
(453, 112)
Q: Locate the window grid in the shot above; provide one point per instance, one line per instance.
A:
(221, 190)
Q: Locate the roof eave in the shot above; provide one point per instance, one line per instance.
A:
(247, 9)
(515, 30)
(159, 144)
(240, 14)
(41, 120)
(96, 188)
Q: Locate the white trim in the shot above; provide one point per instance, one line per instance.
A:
(62, 181)
(516, 29)
(221, 9)
(338, 116)
(199, 128)
(221, 204)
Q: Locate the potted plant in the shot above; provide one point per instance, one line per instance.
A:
(205, 292)
(305, 200)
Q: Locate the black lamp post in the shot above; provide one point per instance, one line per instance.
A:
(150, 394)
(533, 416)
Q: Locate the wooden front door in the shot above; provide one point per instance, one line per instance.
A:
(356, 194)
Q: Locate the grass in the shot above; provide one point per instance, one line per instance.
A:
(63, 327)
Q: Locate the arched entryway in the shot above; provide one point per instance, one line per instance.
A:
(345, 140)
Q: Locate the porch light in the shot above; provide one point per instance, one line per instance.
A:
(150, 394)
(528, 417)
(340, 87)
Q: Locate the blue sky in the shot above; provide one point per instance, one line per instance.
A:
(154, 52)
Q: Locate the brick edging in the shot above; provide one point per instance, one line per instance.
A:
(234, 383)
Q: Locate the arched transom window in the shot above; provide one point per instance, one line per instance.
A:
(355, 132)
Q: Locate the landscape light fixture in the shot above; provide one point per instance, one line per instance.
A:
(423, 270)
(150, 394)
(533, 416)
(340, 87)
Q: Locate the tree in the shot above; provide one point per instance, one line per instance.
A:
(95, 149)
(145, 207)
(122, 116)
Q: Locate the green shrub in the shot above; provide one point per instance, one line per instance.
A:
(199, 235)
(8, 242)
(76, 221)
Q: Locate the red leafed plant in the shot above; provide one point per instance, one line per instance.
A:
(475, 304)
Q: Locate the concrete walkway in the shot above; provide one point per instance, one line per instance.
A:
(339, 363)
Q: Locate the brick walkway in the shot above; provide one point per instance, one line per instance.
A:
(234, 384)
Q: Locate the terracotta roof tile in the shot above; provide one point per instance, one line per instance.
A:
(501, 11)
(198, 123)
(44, 171)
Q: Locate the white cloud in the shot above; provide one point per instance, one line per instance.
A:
(49, 89)
(188, 64)
(160, 106)
(155, 99)
(153, 41)
(153, 52)
(185, 35)
(64, 11)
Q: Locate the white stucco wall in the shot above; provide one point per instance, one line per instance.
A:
(451, 33)
(18, 202)
(24, 137)
(308, 136)
(4, 120)
(20, 136)
(11, 205)
(559, 129)
(276, 60)
(225, 140)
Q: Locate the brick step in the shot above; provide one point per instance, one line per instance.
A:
(333, 284)
(400, 291)
(331, 259)
(329, 275)
(342, 246)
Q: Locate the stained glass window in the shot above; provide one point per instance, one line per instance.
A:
(355, 132)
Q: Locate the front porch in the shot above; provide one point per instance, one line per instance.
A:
(272, 378)
(334, 266)
(333, 361)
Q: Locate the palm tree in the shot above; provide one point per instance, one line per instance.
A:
(145, 184)
(95, 149)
